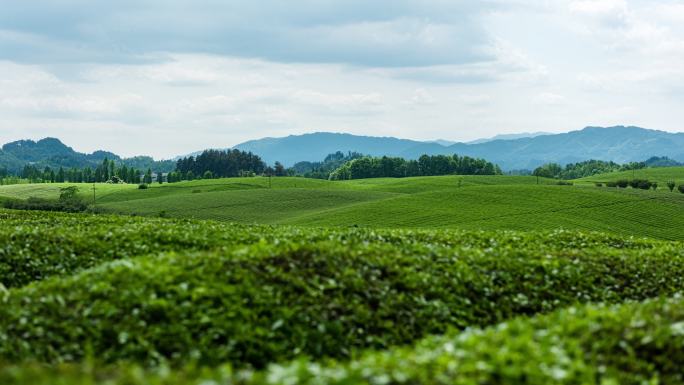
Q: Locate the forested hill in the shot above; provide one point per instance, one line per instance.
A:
(51, 152)
(619, 144)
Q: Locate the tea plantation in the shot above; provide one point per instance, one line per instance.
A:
(456, 202)
(435, 280)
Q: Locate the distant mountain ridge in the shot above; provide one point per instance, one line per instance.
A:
(51, 152)
(619, 143)
(508, 137)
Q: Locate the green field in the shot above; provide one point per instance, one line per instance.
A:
(431, 280)
(662, 175)
(459, 202)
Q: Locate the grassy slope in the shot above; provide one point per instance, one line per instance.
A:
(661, 175)
(469, 202)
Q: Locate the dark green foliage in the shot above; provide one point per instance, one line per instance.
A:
(147, 179)
(386, 167)
(622, 183)
(318, 293)
(681, 188)
(598, 184)
(221, 164)
(44, 205)
(631, 344)
(106, 171)
(279, 169)
(662, 161)
(549, 170)
(643, 184)
(584, 169)
(671, 185)
(322, 170)
(143, 186)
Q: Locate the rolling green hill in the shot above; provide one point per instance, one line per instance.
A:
(466, 202)
(660, 174)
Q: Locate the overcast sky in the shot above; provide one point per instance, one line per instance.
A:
(164, 78)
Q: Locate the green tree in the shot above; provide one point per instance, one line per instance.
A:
(279, 169)
(68, 193)
(148, 176)
(160, 177)
(60, 175)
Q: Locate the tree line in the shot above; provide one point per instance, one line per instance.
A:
(426, 165)
(220, 164)
(107, 171)
(322, 170)
(584, 169)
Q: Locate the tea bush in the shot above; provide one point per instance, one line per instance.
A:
(267, 303)
(630, 344)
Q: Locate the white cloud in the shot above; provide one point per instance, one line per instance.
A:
(130, 73)
(549, 99)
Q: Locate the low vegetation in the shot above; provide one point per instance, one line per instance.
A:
(275, 293)
(630, 344)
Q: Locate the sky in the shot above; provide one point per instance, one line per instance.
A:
(166, 78)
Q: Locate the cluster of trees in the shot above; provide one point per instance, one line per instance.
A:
(220, 164)
(662, 161)
(583, 169)
(322, 170)
(426, 165)
(643, 184)
(107, 171)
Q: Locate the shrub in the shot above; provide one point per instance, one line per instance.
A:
(71, 205)
(143, 186)
(34, 246)
(263, 304)
(654, 186)
(579, 345)
(644, 185)
(611, 184)
(598, 184)
(564, 183)
(622, 183)
(681, 188)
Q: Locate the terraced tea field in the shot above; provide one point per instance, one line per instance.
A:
(459, 202)
(661, 175)
(121, 300)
